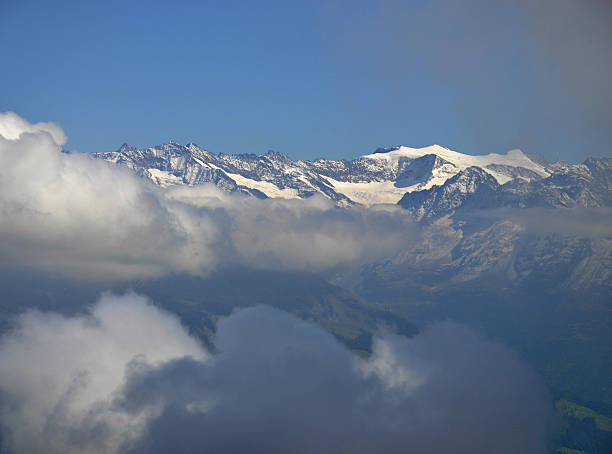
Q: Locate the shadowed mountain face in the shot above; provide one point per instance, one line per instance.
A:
(201, 302)
(417, 171)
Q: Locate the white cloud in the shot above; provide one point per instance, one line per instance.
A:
(70, 214)
(12, 126)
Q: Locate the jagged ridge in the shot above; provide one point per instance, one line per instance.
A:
(382, 177)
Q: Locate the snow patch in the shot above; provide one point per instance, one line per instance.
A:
(269, 189)
(164, 178)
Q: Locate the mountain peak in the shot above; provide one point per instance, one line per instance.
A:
(277, 155)
(172, 146)
(437, 146)
(126, 147)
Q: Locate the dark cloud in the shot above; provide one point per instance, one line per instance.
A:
(276, 384)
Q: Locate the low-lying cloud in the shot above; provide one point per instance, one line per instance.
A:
(128, 378)
(71, 214)
(590, 223)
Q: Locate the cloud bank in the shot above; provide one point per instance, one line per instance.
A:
(128, 378)
(71, 214)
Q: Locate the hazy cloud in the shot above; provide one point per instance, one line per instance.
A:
(583, 222)
(522, 74)
(572, 42)
(128, 379)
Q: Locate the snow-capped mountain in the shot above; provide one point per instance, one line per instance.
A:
(381, 177)
(430, 182)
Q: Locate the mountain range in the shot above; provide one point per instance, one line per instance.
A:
(430, 182)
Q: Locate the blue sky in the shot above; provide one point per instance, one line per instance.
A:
(331, 78)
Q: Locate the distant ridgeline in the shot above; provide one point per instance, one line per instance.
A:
(416, 178)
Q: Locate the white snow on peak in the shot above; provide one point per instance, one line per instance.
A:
(514, 158)
(202, 163)
(163, 178)
(369, 193)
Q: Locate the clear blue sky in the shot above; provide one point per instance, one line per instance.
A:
(329, 78)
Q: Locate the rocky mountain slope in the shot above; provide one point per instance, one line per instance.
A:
(587, 185)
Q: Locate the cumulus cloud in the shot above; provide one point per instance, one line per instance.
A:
(127, 378)
(70, 213)
(75, 215)
(59, 374)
